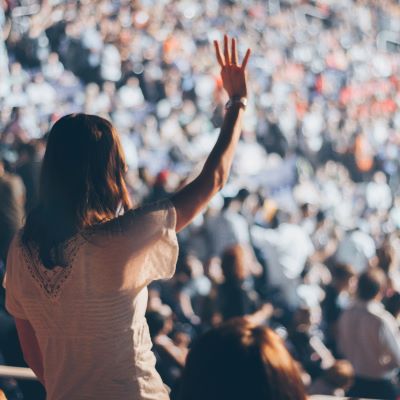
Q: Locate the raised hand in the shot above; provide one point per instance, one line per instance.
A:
(192, 198)
(234, 76)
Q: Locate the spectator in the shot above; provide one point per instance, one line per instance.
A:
(240, 360)
(368, 336)
(337, 297)
(170, 358)
(334, 381)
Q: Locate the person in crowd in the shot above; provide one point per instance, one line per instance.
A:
(286, 247)
(195, 289)
(228, 228)
(12, 203)
(237, 296)
(305, 342)
(368, 336)
(356, 248)
(241, 360)
(392, 304)
(170, 358)
(77, 275)
(334, 381)
(337, 297)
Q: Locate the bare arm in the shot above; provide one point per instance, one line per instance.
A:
(190, 200)
(30, 347)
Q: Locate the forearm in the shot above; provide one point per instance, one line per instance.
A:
(192, 198)
(218, 164)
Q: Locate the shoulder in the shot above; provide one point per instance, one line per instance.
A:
(372, 314)
(144, 217)
(14, 257)
(382, 316)
(16, 244)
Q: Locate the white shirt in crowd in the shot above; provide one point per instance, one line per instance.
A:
(356, 248)
(228, 229)
(369, 337)
(292, 246)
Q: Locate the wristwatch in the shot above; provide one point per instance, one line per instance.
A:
(242, 101)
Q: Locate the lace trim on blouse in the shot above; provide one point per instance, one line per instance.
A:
(51, 281)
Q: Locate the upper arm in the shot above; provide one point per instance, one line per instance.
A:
(143, 242)
(12, 282)
(191, 199)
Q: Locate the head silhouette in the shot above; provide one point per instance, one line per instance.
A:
(240, 360)
(82, 182)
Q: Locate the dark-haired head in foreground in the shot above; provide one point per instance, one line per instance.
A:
(239, 361)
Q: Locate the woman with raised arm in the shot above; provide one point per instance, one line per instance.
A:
(77, 273)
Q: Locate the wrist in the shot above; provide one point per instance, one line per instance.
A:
(236, 101)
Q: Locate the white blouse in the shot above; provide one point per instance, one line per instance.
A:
(89, 317)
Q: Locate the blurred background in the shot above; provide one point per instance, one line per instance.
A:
(313, 200)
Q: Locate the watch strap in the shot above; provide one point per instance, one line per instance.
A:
(242, 101)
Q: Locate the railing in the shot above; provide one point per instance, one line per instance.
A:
(27, 373)
(320, 397)
(17, 373)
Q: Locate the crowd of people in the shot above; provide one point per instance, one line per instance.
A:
(305, 236)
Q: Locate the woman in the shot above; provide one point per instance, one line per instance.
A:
(240, 360)
(78, 272)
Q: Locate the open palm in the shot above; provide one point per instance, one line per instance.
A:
(234, 76)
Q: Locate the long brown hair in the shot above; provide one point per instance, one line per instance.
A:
(82, 183)
(240, 360)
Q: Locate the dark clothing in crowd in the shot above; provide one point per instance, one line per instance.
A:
(373, 389)
(331, 311)
(237, 299)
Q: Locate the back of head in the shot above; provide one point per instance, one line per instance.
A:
(240, 361)
(82, 182)
(342, 274)
(370, 284)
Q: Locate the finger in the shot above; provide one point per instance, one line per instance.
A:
(218, 54)
(246, 59)
(226, 50)
(234, 54)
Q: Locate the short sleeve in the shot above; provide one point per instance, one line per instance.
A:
(11, 281)
(162, 253)
(144, 243)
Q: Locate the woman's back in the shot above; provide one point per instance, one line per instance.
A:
(89, 316)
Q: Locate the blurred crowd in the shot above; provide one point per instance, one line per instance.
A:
(313, 202)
